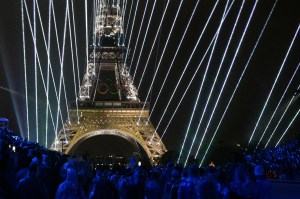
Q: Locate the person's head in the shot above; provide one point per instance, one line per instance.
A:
(175, 174)
(33, 169)
(71, 175)
(210, 169)
(64, 169)
(259, 170)
(193, 171)
(170, 165)
(45, 160)
(241, 174)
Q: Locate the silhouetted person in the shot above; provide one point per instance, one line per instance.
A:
(242, 185)
(70, 188)
(263, 187)
(153, 189)
(48, 176)
(207, 189)
(103, 188)
(187, 188)
(30, 186)
(7, 174)
(171, 187)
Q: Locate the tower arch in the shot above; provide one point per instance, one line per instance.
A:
(116, 118)
(114, 132)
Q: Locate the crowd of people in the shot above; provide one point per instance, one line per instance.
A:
(281, 162)
(28, 170)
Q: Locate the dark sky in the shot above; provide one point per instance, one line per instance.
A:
(249, 99)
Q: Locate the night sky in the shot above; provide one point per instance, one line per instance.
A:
(246, 105)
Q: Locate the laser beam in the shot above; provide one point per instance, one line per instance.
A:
(75, 41)
(44, 38)
(228, 72)
(48, 70)
(219, 29)
(283, 63)
(38, 60)
(61, 59)
(86, 37)
(157, 68)
(25, 68)
(137, 64)
(283, 114)
(126, 56)
(185, 68)
(201, 86)
(35, 76)
(153, 43)
(62, 63)
(191, 78)
(128, 19)
(139, 32)
(277, 106)
(237, 85)
(73, 64)
(175, 55)
(288, 127)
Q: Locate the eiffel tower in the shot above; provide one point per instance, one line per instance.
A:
(108, 103)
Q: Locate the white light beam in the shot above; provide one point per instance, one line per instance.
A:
(237, 85)
(283, 63)
(279, 103)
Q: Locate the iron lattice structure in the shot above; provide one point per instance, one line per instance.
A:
(105, 106)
